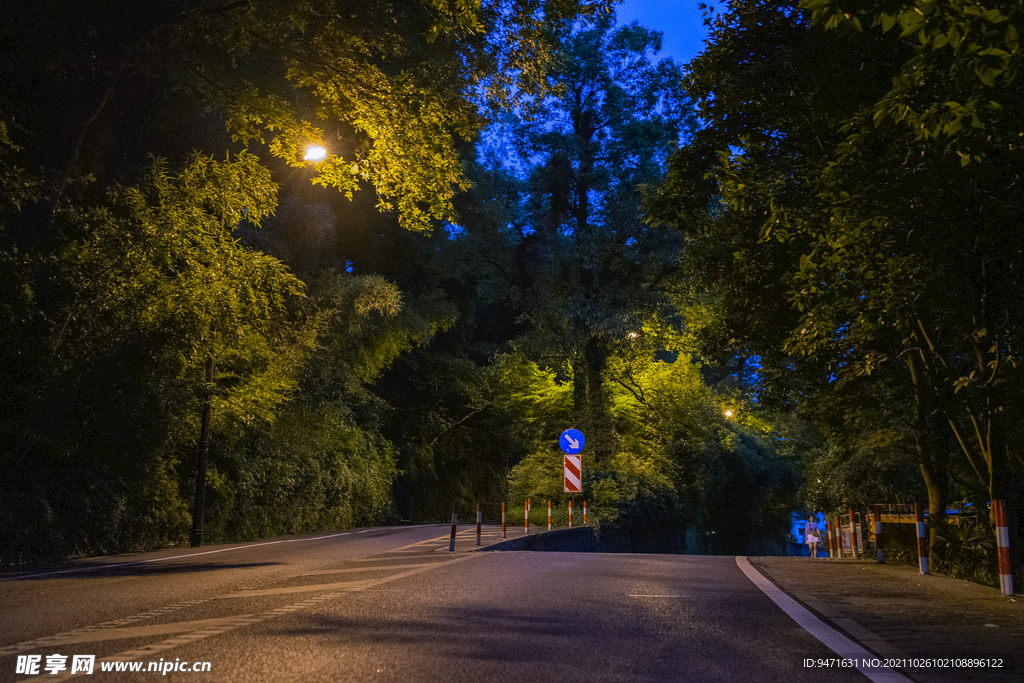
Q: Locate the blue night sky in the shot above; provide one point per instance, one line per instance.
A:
(679, 21)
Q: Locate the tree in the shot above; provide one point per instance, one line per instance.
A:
(131, 296)
(836, 183)
(390, 87)
(590, 265)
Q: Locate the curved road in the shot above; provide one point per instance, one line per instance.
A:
(396, 605)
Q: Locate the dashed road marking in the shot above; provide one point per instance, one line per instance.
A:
(240, 621)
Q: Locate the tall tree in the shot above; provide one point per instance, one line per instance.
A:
(590, 262)
(834, 179)
(950, 280)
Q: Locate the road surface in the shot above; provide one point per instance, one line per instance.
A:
(396, 605)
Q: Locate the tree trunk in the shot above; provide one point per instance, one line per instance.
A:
(597, 401)
(204, 449)
(590, 401)
(932, 472)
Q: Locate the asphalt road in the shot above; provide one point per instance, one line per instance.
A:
(396, 605)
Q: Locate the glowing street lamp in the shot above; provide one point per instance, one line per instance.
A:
(728, 414)
(315, 153)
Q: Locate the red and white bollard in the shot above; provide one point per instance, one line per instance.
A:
(570, 514)
(526, 516)
(503, 520)
(549, 515)
(1003, 541)
(479, 521)
(922, 553)
(880, 554)
(584, 513)
(853, 535)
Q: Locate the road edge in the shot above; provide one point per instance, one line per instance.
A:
(838, 642)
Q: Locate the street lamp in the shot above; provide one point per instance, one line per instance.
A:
(315, 153)
(728, 414)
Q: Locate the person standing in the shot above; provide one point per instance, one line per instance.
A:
(812, 536)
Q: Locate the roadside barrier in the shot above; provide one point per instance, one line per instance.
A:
(584, 513)
(526, 519)
(570, 514)
(879, 553)
(1003, 541)
(549, 515)
(922, 554)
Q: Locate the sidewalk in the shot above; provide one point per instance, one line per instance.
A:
(896, 612)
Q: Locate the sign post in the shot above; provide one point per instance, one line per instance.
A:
(572, 443)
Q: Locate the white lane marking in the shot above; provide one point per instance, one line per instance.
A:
(152, 630)
(350, 570)
(115, 623)
(655, 596)
(240, 621)
(208, 552)
(289, 590)
(346, 586)
(831, 638)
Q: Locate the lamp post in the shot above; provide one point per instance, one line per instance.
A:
(204, 451)
(313, 153)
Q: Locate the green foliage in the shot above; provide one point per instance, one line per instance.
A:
(405, 370)
(967, 550)
(961, 86)
(313, 469)
(809, 207)
(164, 263)
(680, 466)
(389, 87)
(586, 268)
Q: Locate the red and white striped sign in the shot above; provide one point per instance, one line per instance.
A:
(573, 474)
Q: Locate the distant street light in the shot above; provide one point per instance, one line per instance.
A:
(315, 153)
(728, 413)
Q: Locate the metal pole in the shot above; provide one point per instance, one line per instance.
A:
(879, 552)
(853, 536)
(479, 521)
(922, 553)
(503, 520)
(455, 521)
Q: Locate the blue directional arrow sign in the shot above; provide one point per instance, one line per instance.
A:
(571, 441)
